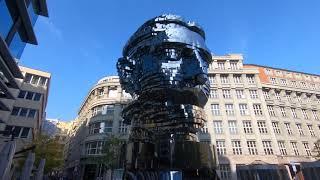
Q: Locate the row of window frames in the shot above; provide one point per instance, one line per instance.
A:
(23, 112)
(277, 95)
(283, 112)
(16, 131)
(215, 109)
(35, 79)
(293, 83)
(234, 65)
(267, 146)
(29, 95)
(247, 127)
(237, 148)
(226, 93)
(224, 78)
(106, 127)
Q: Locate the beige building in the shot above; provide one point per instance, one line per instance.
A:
(27, 112)
(56, 129)
(99, 117)
(255, 115)
(258, 114)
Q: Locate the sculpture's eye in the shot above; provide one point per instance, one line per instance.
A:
(187, 53)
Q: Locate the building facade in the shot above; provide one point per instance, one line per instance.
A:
(28, 110)
(255, 115)
(16, 29)
(98, 118)
(56, 129)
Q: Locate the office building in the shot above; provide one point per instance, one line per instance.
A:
(99, 117)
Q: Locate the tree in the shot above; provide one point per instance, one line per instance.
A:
(111, 153)
(49, 149)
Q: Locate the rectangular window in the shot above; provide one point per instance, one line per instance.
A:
(217, 126)
(288, 127)
(37, 97)
(294, 113)
(283, 111)
(282, 148)
(35, 79)
(221, 65)
(224, 79)
(253, 94)
(25, 132)
(234, 65)
(278, 95)
(15, 111)
(225, 171)
(122, 127)
(43, 81)
(27, 78)
(243, 109)
(266, 94)
(221, 147)
(29, 95)
(250, 79)
(213, 93)
(315, 115)
(299, 127)
(257, 109)
(305, 114)
(252, 147)
(22, 94)
(262, 127)
(240, 94)
(267, 147)
(94, 148)
(233, 127)
(306, 147)
(283, 82)
(212, 79)
(32, 113)
(237, 78)
(289, 98)
(247, 127)
(299, 98)
(204, 129)
(273, 80)
(275, 126)
(23, 112)
(215, 109)
(236, 147)
(16, 131)
(271, 110)
(226, 93)
(229, 110)
(311, 130)
(295, 148)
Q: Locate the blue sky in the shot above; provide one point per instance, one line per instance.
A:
(81, 40)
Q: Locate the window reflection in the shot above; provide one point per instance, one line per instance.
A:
(17, 46)
(5, 19)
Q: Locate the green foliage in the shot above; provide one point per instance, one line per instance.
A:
(111, 152)
(49, 149)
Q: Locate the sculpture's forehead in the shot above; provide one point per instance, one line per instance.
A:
(171, 32)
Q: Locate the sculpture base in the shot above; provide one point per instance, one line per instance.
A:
(194, 160)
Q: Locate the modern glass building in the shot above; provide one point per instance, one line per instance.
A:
(17, 18)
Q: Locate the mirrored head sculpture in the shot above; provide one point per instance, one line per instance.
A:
(164, 67)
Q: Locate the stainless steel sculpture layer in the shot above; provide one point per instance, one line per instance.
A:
(164, 67)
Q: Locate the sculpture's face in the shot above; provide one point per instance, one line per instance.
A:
(166, 54)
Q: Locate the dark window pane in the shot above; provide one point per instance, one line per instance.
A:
(27, 78)
(29, 95)
(35, 79)
(7, 130)
(37, 97)
(5, 20)
(15, 111)
(16, 131)
(17, 46)
(23, 112)
(22, 94)
(42, 81)
(32, 113)
(25, 132)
